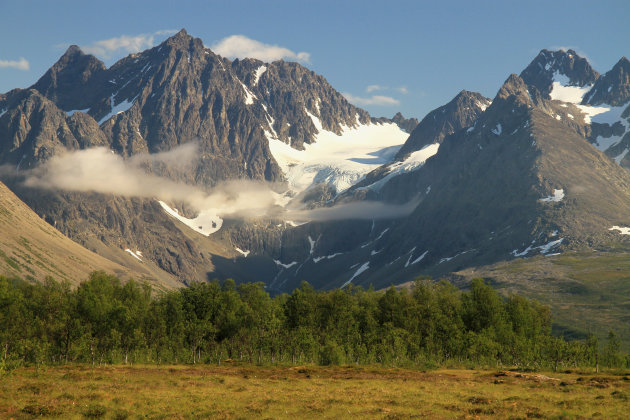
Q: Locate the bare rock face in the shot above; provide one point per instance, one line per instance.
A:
(33, 129)
(613, 88)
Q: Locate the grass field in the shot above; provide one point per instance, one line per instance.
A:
(120, 392)
(588, 292)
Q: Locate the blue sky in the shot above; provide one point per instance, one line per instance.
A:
(387, 56)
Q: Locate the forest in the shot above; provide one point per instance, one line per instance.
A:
(432, 324)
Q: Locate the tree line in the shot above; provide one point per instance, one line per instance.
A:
(431, 324)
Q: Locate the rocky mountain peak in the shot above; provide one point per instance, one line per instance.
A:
(613, 88)
(515, 89)
(66, 82)
(547, 65)
(182, 40)
(73, 50)
(461, 112)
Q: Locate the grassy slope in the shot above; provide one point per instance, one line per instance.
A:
(32, 249)
(307, 392)
(587, 291)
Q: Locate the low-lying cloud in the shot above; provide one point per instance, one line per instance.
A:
(366, 210)
(100, 170)
(240, 46)
(21, 64)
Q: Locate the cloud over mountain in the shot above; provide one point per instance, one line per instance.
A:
(240, 46)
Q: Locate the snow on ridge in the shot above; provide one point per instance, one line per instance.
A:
(498, 129)
(359, 271)
(338, 160)
(557, 196)
(206, 223)
(259, 72)
(622, 230)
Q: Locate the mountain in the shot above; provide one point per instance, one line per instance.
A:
(522, 180)
(548, 66)
(424, 140)
(32, 249)
(354, 199)
(277, 122)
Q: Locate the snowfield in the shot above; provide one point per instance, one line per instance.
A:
(338, 160)
(603, 114)
(206, 223)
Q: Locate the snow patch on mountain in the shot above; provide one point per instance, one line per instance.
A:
(337, 160)
(206, 223)
(71, 113)
(544, 249)
(240, 251)
(117, 109)
(360, 270)
(249, 96)
(281, 264)
(326, 257)
(557, 196)
(136, 254)
(611, 116)
(259, 72)
(562, 91)
(413, 162)
(622, 230)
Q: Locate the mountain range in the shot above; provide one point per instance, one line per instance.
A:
(199, 167)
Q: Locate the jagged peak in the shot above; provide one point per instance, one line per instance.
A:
(182, 40)
(623, 65)
(548, 65)
(73, 50)
(513, 85)
(613, 88)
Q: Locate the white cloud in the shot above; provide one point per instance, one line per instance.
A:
(372, 88)
(372, 100)
(240, 46)
(403, 90)
(21, 64)
(125, 43)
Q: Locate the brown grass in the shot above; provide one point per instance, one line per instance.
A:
(307, 392)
